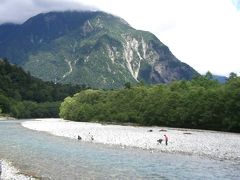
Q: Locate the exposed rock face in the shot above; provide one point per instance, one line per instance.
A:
(92, 48)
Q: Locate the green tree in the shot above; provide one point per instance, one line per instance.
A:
(232, 76)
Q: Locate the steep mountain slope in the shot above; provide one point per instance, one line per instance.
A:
(93, 48)
(17, 84)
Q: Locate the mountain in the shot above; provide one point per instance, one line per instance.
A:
(221, 79)
(92, 48)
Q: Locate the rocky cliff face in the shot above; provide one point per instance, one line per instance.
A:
(92, 48)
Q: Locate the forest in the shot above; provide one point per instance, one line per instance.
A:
(24, 96)
(201, 103)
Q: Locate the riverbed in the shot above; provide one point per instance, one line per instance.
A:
(44, 156)
(218, 145)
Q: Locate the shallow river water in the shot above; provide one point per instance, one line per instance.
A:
(51, 157)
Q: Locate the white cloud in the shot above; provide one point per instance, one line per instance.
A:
(206, 36)
(18, 11)
(203, 33)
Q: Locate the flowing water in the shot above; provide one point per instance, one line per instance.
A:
(51, 157)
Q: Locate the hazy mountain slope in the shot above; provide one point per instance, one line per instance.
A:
(221, 79)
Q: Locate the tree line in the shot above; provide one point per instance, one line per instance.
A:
(201, 103)
(24, 96)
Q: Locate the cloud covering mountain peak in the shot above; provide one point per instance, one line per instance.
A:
(17, 11)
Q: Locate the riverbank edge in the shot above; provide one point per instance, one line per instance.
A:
(183, 141)
(11, 172)
(6, 118)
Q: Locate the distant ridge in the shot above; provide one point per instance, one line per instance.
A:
(221, 79)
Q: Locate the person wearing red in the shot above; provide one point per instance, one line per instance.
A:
(166, 139)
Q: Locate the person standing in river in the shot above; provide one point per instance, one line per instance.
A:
(166, 139)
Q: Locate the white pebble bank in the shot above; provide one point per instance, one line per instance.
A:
(11, 173)
(198, 142)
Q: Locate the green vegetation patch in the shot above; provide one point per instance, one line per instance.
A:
(23, 96)
(201, 103)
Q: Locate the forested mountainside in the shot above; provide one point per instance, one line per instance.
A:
(92, 48)
(22, 95)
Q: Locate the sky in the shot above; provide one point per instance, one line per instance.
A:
(202, 33)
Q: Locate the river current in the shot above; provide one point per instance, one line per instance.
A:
(50, 157)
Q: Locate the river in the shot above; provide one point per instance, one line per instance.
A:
(50, 157)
